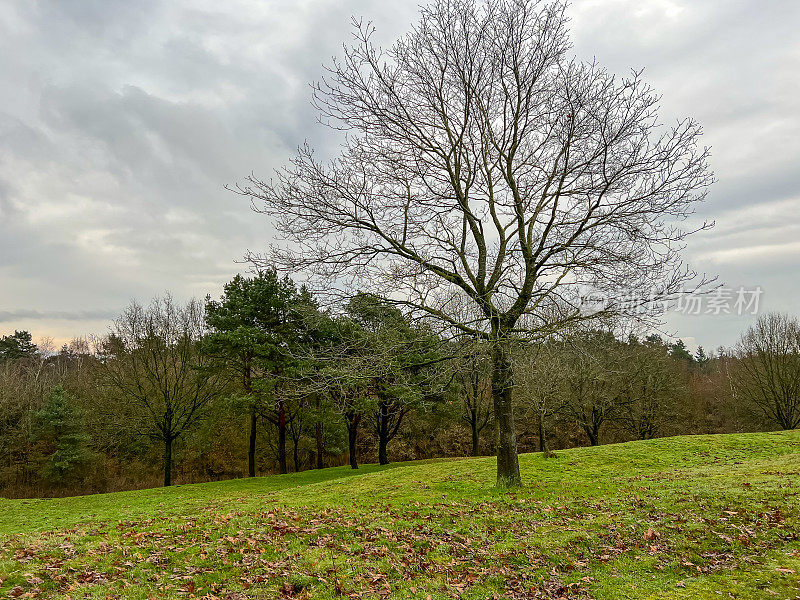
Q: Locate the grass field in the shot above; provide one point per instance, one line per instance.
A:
(686, 517)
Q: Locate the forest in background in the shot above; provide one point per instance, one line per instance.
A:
(262, 380)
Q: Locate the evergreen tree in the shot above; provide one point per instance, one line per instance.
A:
(678, 351)
(18, 345)
(395, 367)
(700, 356)
(59, 429)
(254, 326)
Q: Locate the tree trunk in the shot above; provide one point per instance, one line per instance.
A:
(474, 423)
(282, 439)
(352, 437)
(593, 433)
(542, 435)
(502, 383)
(251, 450)
(295, 454)
(383, 434)
(247, 383)
(168, 462)
(320, 447)
(383, 457)
(318, 435)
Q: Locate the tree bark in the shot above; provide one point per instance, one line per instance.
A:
(318, 433)
(251, 450)
(383, 456)
(593, 433)
(247, 383)
(386, 429)
(320, 446)
(383, 434)
(295, 454)
(352, 437)
(542, 435)
(502, 382)
(474, 423)
(167, 461)
(282, 439)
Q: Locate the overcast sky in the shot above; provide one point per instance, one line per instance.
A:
(120, 123)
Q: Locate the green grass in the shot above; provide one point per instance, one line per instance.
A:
(686, 517)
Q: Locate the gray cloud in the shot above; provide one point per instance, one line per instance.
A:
(64, 315)
(121, 122)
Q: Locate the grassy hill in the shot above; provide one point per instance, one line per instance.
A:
(685, 517)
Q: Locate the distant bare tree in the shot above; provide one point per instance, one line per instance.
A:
(483, 163)
(593, 389)
(652, 386)
(473, 377)
(152, 360)
(768, 371)
(538, 380)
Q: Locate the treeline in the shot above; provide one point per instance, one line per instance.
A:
(263, 381)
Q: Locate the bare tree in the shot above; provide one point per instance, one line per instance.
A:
(768, 371)
(473, 378)
(481, 162)
(652, 386)
(538, 380)
(593, 389)
(152, 359)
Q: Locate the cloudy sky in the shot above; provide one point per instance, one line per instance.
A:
(120, 123)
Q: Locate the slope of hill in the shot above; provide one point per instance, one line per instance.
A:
(684, 517)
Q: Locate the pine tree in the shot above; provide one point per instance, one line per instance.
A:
(18, 345)
(60, 431)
